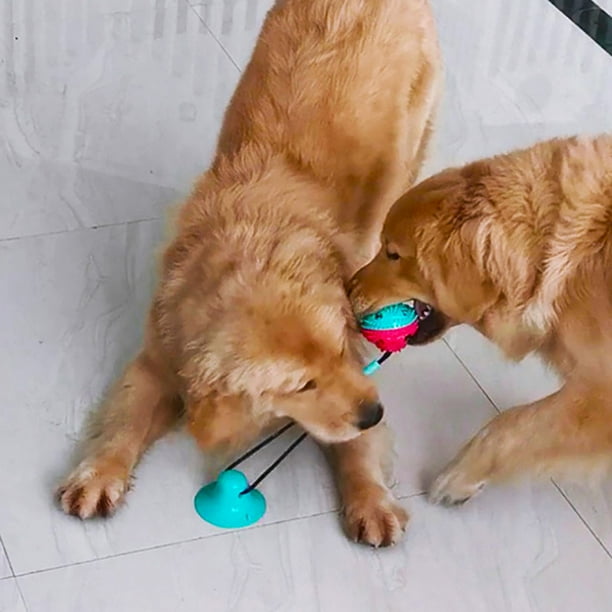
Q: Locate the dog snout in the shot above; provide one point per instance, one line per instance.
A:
(370, 413)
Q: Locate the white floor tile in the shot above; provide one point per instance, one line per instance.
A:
(433, 407)
(46, 196)
(10, 598)
(594, 503)
(134, 90)
(511, 552)
(75, 315)
(515, 75)
(506, 383)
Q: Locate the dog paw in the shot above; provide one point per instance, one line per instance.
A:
(89, 492)
(378, 520)
(455, 486)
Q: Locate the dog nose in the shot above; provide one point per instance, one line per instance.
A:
(370, 413)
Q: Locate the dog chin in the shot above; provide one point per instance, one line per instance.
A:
(325, 437)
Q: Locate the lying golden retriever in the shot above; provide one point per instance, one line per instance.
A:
(251, 323)
(520, 247)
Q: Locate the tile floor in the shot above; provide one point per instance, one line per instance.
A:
(108, 111)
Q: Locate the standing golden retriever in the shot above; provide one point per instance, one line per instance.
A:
(520, 247)
(251, 322)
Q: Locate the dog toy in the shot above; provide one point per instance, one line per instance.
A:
(389, 329)
(230, 501)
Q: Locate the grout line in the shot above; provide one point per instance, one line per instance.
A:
(81, 229)
(21, 595)
(171, 544)
(8, 559)
(582, 519)
(13, 576)
(146, 549)
(214, 36)
(471, 375)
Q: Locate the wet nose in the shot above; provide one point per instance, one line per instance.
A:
(370, 414)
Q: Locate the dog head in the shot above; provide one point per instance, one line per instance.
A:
(432, 248)
(280, 360)
(271, 335)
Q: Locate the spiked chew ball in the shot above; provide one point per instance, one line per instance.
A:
(390, 327)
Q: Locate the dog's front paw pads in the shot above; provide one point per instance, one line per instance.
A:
(87, 493)
(379, 521)
(454, 487)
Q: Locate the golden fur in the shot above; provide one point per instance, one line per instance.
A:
(251, 322)
(520, 247)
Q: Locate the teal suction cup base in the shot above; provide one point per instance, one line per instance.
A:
(221, 504)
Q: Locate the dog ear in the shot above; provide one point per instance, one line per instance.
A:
(466, 290)
(471, 295)
(221, 423)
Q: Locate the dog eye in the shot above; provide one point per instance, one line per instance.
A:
(311, 384)
(392, 255)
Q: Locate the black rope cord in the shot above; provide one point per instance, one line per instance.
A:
(384, 357)
(268, 470)
(263, 443)
(259, 446)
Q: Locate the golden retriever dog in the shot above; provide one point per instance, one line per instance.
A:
(251, 323)
(518, 246)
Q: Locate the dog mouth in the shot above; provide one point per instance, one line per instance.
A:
(422, 309)
(432, 323)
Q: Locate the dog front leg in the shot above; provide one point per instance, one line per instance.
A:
(362, 466)
(568, 430)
